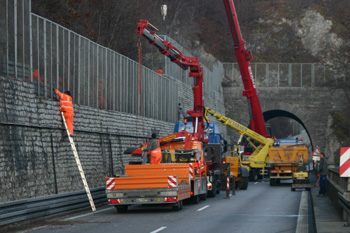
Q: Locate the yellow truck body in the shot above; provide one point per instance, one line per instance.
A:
(283, 161)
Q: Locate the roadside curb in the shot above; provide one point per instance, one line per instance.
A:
(303, 216)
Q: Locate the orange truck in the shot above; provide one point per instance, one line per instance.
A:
(284, 157)
(179, 176)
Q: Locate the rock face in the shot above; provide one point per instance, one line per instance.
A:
(316, 36)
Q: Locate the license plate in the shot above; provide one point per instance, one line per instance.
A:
(142, 199)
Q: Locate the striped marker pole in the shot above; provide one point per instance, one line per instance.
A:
(228, 187)
(344, 162)
(190, 172)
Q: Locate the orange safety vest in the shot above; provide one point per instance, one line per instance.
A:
(66, 103)
(156, 154)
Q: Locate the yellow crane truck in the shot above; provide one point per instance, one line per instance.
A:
(280, 156)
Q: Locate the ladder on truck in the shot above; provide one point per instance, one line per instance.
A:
(81, 171)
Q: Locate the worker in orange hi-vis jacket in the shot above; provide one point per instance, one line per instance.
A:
(66, 106)
(154, 147)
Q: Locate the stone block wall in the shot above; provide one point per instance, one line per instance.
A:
(35, 155)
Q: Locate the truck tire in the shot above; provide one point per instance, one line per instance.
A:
(195, 199)
(243, 185)
(178, 207)
(203, 197)
(254, 175)
(273, 182)
(213, 191)
(122, 208)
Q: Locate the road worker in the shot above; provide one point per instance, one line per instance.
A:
(66, 106)
(154, 148)
(323, 172)
(160, 71)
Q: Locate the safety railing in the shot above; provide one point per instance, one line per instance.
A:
(284, 75)
(338, 190)
(16, 211)
(40, 51)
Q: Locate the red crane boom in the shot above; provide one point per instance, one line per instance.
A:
(196, 71)
(257, 122)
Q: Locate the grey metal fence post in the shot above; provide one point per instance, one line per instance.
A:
(58, 60)
(15, 35)
(267, 71)
(45, 59)
(278, 75)
(30, 43)
(79, 67)
(313, 75)
(23, 43)
(301, 75)
(290, 75)
(7, 37)
(97, 75)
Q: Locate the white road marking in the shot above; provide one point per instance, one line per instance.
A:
(83, 215)
(271, 215)
(158, 230)
(256, 183)
(204, 207)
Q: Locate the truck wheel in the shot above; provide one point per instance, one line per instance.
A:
(254, 175)
(122, 208)
(213, 191)
(243, 185)
(178, 206)
(203, 197)
(273, 182)
(195, 199)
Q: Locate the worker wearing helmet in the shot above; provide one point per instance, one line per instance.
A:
(66, 106)
(154, 148)
(160, 71)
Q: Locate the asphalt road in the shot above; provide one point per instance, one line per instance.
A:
(260, 208)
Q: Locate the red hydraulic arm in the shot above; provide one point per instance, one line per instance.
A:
(257, 122)
(183, 134)
(196, 71)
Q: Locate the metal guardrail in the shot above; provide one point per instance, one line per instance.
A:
(16, 211)
(339, 192)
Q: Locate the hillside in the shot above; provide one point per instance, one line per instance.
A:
(275, 30)
(298, 31)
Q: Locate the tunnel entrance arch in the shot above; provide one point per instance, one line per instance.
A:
(271, 114)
